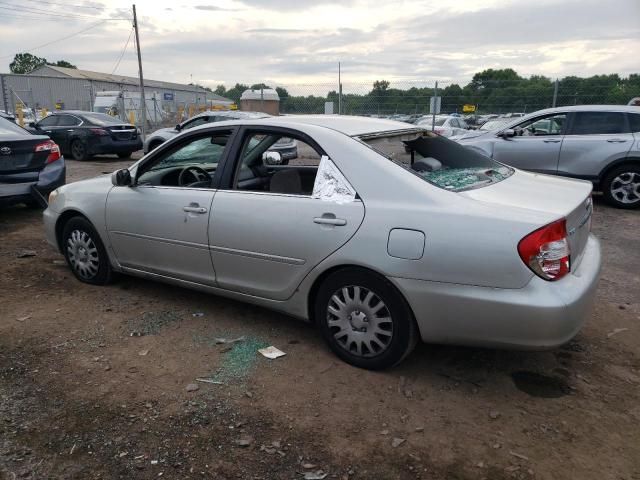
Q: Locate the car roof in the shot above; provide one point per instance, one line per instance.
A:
(589, 108)
(351, 125)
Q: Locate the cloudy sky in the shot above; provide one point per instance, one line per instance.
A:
(298, 42)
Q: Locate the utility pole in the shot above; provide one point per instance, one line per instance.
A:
(143, 99)
(339, 91)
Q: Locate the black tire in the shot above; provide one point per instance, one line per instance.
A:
(402, 328)
(79, 150)
(91, 265)
(154, 145)
(617, 192)
(124, 154)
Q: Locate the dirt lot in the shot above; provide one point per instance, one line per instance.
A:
(93, 384)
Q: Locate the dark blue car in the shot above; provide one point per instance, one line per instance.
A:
(31, 166)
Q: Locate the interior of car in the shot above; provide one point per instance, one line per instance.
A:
(262, 170)
(194, 163)
(191, 164)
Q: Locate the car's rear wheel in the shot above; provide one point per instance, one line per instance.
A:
(621, 187)
(124, 154)
(364, 319)
(85, 252)
(79, 150)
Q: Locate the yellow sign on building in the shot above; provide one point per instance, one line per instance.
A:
(468, 108)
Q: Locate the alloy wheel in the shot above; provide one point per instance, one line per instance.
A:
(360, 321)
(83, 254)
(625, 188)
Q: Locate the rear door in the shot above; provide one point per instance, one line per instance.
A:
(536, 146)
(594, 140)
(266, 230)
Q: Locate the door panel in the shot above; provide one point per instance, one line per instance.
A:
(537, 154)
(588, 155)
(162, 230)
(594, 140)
(264, 244)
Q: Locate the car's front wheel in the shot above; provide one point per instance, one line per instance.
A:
(364, 319)
(621, 187)
(85, 252)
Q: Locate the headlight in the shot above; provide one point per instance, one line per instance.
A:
(52, 196)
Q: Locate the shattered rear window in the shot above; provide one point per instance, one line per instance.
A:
(439, 161)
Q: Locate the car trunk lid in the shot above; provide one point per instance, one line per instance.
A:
(18, 154)
(559, 197)
(122, 132)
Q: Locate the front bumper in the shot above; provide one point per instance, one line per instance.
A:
(541, 315)
(106, 145)
(49, 218)
(52, 176)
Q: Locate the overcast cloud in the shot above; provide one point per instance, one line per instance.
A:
(289, 42)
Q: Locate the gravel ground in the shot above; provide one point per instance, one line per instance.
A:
(100, 382)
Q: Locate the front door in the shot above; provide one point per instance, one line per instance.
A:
(160, 225)
(536, 146)
(267, 230)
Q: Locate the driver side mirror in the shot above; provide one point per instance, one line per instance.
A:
(509, 132)
(121, 178)
(178, 127)
(272, 158)
(33, 125)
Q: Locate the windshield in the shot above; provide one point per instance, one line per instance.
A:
(101, 119)
(7, 127)
(440, 161)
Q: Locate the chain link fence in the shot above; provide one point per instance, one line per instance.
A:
(486, 97)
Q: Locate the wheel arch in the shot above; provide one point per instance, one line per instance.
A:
(315, 287)
(62, 221)
(616, 164)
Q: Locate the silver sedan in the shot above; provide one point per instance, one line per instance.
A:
(380, 233)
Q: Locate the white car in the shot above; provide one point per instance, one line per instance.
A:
(445, 125)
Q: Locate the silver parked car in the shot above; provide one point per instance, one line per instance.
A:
(378, 247)
(599, 143)
(445, 125)
(286, 147)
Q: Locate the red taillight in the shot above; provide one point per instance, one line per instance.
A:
(546, 251)
(51, 147)
(99, 131)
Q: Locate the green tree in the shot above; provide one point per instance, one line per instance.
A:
(63, 63)
(220, 90)
(26, 63)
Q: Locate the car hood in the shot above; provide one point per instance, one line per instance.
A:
(471, 135)
(166, 132)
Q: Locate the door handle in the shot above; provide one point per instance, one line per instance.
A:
(616, 140)
(47, 131)
(70, 130)
(330, 219)
(194, 208)
(552, 140)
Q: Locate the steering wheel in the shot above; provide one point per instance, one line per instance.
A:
(199, 175)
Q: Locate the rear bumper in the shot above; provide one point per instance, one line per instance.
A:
(50, 177)
(540, 315)
(105, 145)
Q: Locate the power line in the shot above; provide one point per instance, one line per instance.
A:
(68, 5)
(57, 40)
(36, 11)
(122, 54)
